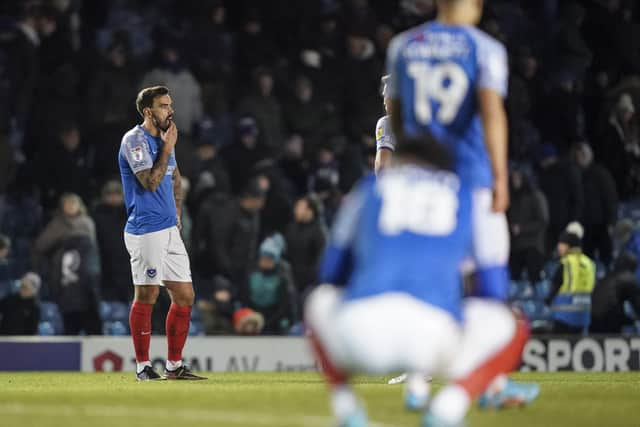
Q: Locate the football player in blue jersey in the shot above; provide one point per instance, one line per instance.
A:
(153, 194)
(449, 79)
(391, 297)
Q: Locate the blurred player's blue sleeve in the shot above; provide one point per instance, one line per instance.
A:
(337, 262)
(493, 68)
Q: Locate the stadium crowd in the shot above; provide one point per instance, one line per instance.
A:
(276, 104)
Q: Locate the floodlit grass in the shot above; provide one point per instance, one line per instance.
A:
(288, 399)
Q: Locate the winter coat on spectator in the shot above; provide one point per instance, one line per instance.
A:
(62, 227)
(225, 239)
(305, 245)
(271, 289)
(608, 297)
(600, 204)
(528, 211)
(268, 114)
(74, 281)
(561, 184)
(18, 315)
(114, 259)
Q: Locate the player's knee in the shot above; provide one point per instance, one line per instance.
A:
(319, 305)
(147, 294)
(183, 296)
(492, 319)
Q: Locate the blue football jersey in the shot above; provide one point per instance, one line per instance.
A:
(406, 231)
(435, 71)
(147, 211)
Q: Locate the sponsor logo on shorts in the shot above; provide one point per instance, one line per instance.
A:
(151, 272)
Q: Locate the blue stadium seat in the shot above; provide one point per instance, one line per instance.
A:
(119, 311)
(542, 289)
(115, 328)
(195, 313)
(49, 312)
(297, 330)
(105, 310)
(45, 329)
(196, 328)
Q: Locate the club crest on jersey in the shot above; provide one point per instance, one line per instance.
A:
(151, 272)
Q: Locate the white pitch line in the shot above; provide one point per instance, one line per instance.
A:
(213, 415)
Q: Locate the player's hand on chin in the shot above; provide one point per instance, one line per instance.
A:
(170, 136)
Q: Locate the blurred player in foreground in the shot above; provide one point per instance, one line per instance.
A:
(153, 195)
(396, 248)
(448, 78)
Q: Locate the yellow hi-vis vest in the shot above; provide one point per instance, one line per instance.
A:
(579, 273)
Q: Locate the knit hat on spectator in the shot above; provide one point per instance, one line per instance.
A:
(273, 247)
(247, 321)
(572, 235)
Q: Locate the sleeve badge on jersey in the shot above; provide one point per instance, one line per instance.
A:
(136, 154)
(379, 133)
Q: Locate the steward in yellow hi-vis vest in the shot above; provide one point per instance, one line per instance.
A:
(571, 287)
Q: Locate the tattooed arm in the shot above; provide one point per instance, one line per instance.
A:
(151, 178)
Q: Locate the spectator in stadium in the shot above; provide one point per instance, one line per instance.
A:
(528, 216)
(306, 238)
(209, 171)
(229, 228)
(572, 54)
(324, 180)
(213, 44)
(20, 311)
(304, 115)
(217, 310)
(71, 219)
(619, 148)
(276, 213)
(572, 284)
(110, 217)
(362, 71)
(560, 182)
(271, 290)
(19, 45)
(186, 92)
(108, 108)
(21, 219)
(66, 166)
(600, 207)
(618, 287)
(6, 273)
(242, 155)
(264, 106)
(293, 165)
(626, 235)
(255, 47)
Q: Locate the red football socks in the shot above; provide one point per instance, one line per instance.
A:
(177, 328)
(140, 324)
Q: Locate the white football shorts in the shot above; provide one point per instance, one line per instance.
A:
(157, 257)
(391, 332)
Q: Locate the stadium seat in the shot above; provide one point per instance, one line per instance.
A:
(115, 328)
(50, 313)
(119, 311)
(45, 329)
(105, 310)
(195, 313)
(196, 328)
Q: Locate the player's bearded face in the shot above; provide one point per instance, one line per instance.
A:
(162, 120)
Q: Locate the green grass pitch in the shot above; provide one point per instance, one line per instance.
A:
(288, 399)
